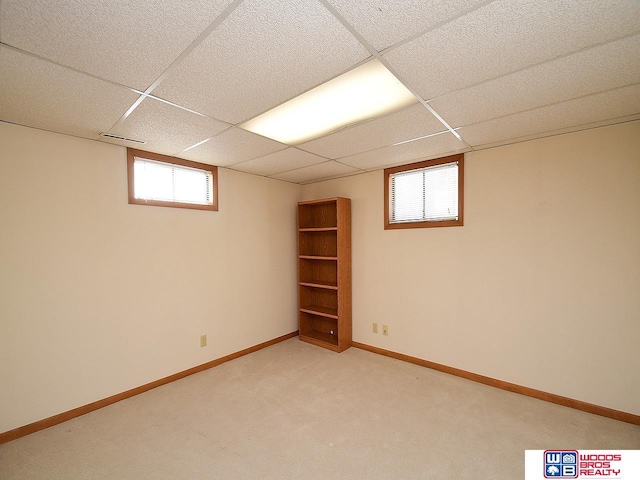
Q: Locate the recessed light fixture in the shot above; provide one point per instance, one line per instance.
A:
(365, 92)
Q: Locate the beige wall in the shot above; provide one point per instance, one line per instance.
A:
(98, 296)
(540, 287)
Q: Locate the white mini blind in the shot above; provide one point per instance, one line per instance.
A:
(425, 194)
(171, 183)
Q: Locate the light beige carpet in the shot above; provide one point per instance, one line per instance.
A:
(295, 411)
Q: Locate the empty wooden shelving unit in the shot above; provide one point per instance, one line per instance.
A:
(324, 272)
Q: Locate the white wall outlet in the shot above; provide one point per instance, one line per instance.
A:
(203, 341)
(375, 327)
(385, 329)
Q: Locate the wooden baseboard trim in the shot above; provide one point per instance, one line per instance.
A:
(510, 387)
(76, 412)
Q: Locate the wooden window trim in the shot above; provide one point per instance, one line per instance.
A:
(414, 166)
(132, 152)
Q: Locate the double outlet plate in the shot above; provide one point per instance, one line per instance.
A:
(385, 329)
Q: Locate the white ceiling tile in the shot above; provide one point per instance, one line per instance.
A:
(409, 123)
(278, 162)
(585, 110)
(40, 94)
(264, 53)
(505, 36)
(431, 147)
(127, 41)
(316, 173)
(383, 24)
(166, 129)
(573, 128)
(583, 73)
(230, 147)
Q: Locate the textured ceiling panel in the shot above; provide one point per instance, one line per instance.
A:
(409, 123)
(582, 111)
(505, 36)
(127, 41)
(232, 146)
(504, 70)
(561, 131)
(279, 162)
(43, 95)
(383, 24)
(583, 73)
(437, 146)
(314, 173)
(264, 53)
(166, 128)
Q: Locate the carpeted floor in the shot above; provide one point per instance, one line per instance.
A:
(295, 411)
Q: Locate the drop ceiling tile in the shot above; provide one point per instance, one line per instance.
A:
(129, 42)
(576, 128)
(42, 95)
(383, 24)
(583, 73)
(505, 36)
(316, 173)
(264, 53)
(600, 107)
(278, 162)
(409, 123)
(431, 147)
(230, 147)
(166, 129)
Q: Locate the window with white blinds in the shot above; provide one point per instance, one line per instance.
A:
(168, 181)
(424, 194)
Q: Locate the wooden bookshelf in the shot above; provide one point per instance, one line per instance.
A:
(324, 272)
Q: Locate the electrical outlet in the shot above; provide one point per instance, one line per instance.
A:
(203, 340)
(375, 327)
(385, 329)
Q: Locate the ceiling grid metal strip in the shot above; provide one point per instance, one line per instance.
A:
(382, 60)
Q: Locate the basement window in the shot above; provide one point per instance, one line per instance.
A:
(164, 181)
(424, 194)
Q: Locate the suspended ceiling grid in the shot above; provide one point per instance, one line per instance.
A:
(183, 75)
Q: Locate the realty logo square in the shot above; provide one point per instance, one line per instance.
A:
(561, 464)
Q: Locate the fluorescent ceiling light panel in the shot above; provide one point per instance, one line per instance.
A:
(365, 92)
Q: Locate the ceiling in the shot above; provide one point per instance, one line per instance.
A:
(181, 75)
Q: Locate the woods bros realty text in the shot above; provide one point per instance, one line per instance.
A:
(599, 465)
